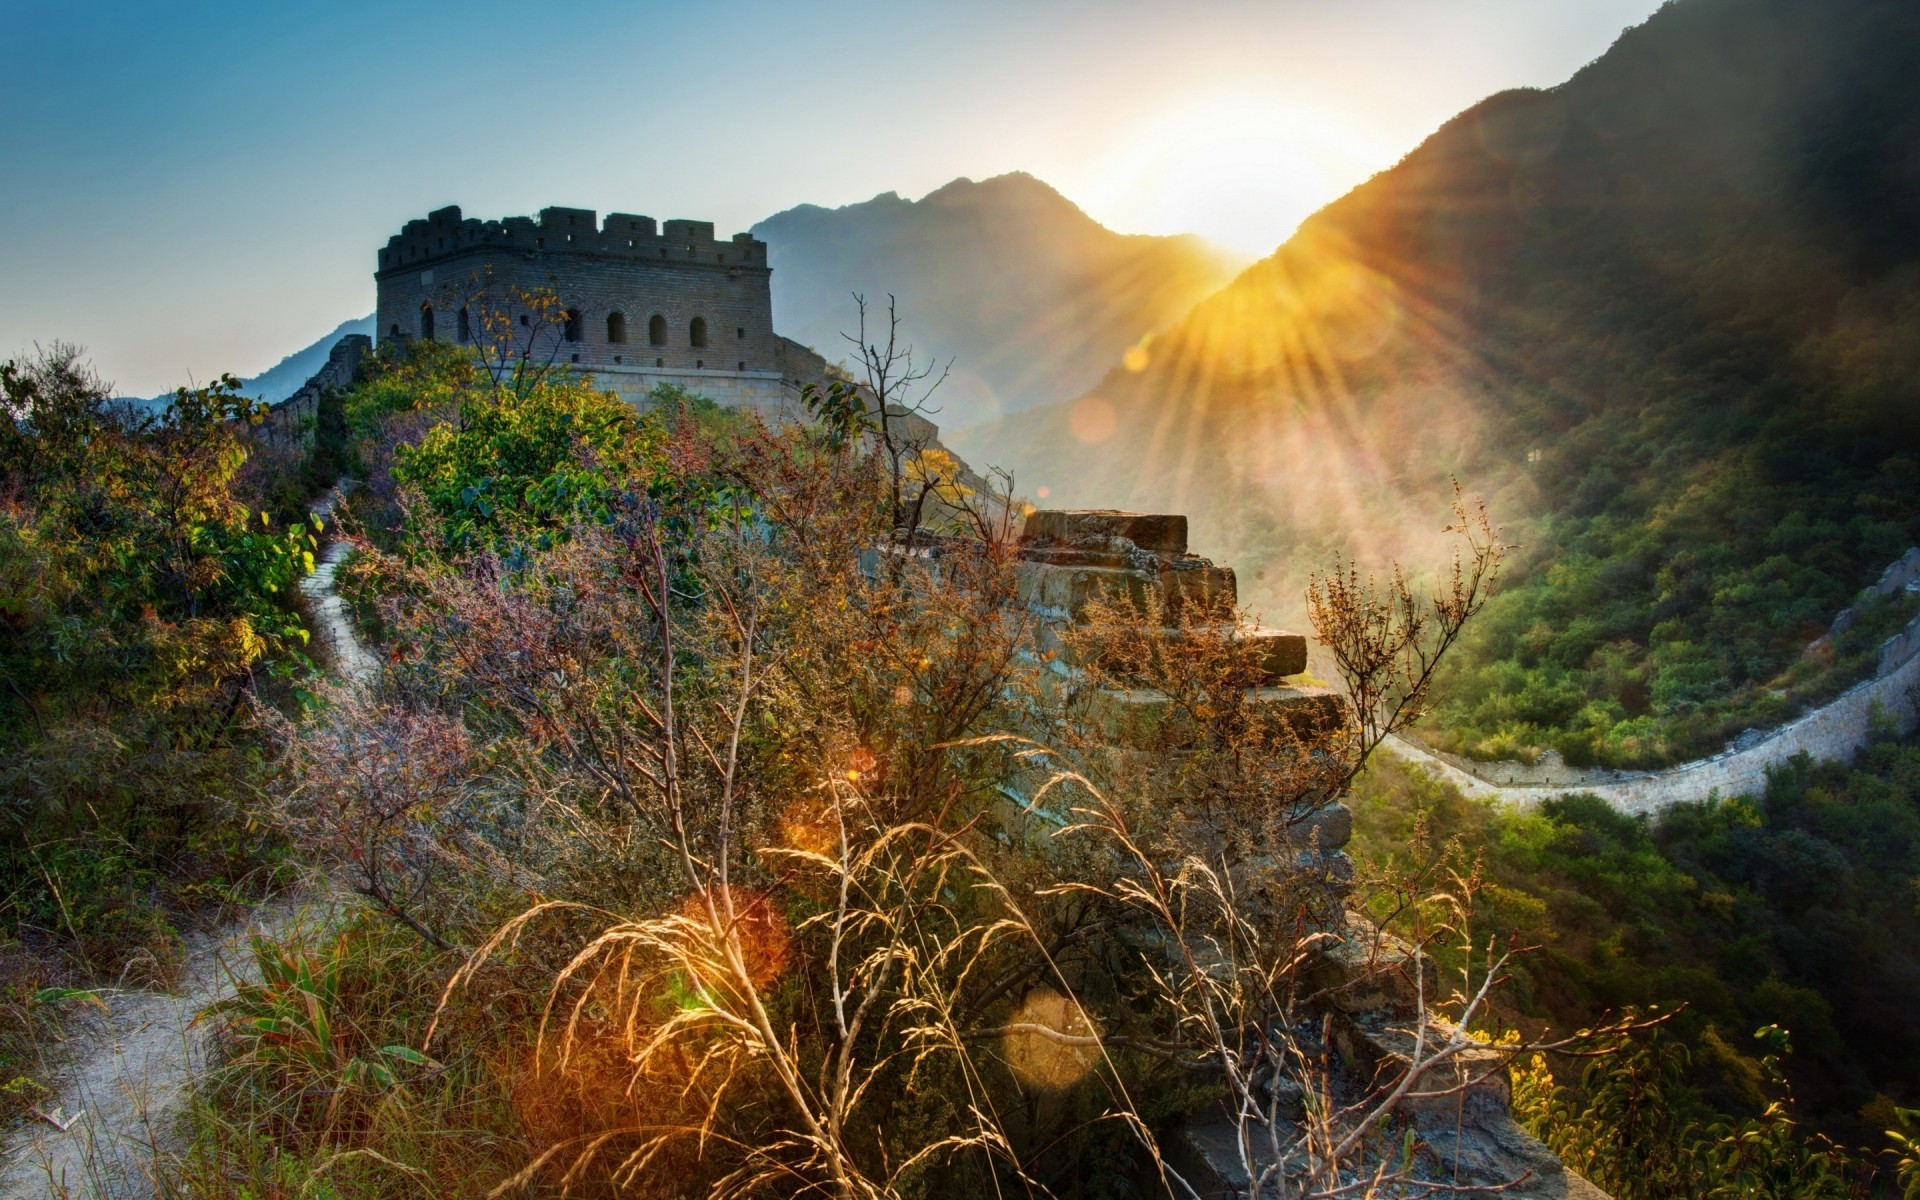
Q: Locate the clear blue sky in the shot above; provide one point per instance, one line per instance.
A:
(187, 188)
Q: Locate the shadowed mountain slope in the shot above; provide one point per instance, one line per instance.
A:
(1029, 296)
(1665, 316)
(288, 375)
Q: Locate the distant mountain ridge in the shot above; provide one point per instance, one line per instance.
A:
(285, 377)
(1665, 316)
(1031, 298)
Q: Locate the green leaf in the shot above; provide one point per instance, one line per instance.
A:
(405, 1054)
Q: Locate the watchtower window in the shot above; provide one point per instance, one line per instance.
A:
(426, 321)
(466, 326)
(741, 333)
(394, 332)
(616, 327)
(657, 330)
(697, 332)
(572, 328)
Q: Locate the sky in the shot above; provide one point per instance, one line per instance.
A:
(190, 188)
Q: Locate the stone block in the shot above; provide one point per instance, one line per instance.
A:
(1148, 719)
(1208, 591)
(1069, 589)
(1281, 653)
(1158, 532)
(1329, 827)
(1367, 969)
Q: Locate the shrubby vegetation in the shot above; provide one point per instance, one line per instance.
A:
(681, 817)
(1653, 624)
(681, 809)
(1793, 912)
(146, 597)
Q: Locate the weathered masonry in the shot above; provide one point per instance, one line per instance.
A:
(644, 303)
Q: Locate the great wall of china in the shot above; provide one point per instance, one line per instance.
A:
(1832, 731)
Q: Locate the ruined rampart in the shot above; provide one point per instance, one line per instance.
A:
(292, 421)
(1375, 990)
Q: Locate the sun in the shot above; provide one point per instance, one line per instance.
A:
(1241, 167)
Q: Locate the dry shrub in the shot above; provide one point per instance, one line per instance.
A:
(745, 748)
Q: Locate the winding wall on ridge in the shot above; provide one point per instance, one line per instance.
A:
(1832, 731)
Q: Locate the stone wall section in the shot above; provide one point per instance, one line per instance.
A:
(292, 421)
(1833, 731)
(1068, 559)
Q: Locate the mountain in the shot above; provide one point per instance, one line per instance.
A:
(1030, 297)
(1664, 316)
(285, 377)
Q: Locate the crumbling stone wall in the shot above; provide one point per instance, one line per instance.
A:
(1373, 985)
(292, 421)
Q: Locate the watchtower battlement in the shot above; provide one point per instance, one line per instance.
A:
(445, 234)
(646, 302)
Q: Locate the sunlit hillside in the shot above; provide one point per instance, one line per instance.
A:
(1661, 316)
(1028, 296)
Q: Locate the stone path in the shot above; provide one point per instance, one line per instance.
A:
(333, 623)
(1833, 731)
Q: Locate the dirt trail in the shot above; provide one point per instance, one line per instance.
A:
(333, 624)
(122, 1093)
(124, 1090)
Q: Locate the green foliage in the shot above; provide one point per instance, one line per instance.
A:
(287, 1033)
(144, 594)
(840, 411)
(410, 377)
(508, 466)
(1906, 1149)
(1635, 1128)
(1636, 639)
(137, 580)
(1794, 909)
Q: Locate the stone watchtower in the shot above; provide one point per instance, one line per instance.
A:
(645, 304)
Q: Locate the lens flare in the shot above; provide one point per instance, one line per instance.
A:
(808, 824)
(751, 922)
(1048, 1062)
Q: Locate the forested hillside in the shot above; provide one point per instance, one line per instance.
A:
(1031, 298)
(1663, 316)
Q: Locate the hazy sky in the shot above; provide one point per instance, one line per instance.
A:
(187, 188)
